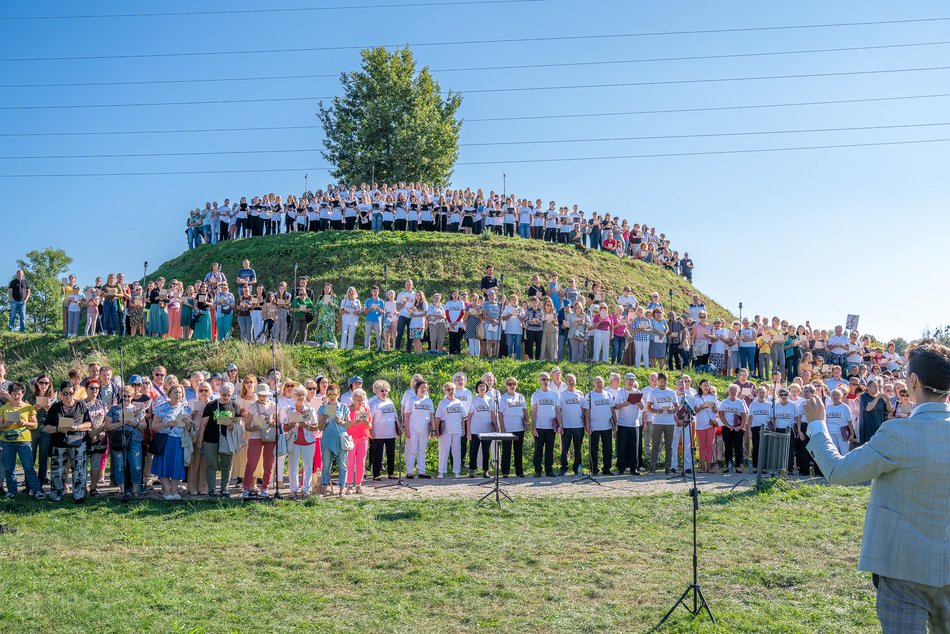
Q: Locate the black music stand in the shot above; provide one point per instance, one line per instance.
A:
(496, 488)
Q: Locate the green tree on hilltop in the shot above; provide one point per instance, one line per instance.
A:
(391, 123)
(43, 269)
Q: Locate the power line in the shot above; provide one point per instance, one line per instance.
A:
(147, 82)
(490, 143)
(491, 90)
(505, 162)
(251, 11)
(706, 109)
(491, 119)
(476, 42)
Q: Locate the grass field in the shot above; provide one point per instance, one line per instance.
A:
(782, 561)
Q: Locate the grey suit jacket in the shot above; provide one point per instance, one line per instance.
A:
(907, 527)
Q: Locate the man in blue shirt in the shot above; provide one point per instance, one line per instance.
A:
(246, 276)
(373, 309)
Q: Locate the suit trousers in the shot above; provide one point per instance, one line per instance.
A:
(905, 607)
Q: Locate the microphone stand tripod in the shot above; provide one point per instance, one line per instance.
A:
(278, 476)
(699, 600)
(400, 446)
(589, 477)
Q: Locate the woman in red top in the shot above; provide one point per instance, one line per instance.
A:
(300, 423)
(618, 339)
(359, 431)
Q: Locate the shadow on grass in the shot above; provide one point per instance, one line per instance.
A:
(398, 515)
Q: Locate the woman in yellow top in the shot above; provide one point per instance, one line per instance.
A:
(17, 420)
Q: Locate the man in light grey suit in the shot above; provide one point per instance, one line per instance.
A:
(906, 544)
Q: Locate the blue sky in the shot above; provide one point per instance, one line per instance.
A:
(806, 235)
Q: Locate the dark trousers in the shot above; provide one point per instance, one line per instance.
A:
(755, 432)
(532, 344)
(628, 449)
(544, 442)
(402, 325)
(601, 439)
(506, 446)
(572, 436)
(473, 453)
(805, 461)
(377, 446)
(732, 440)
(455, 341)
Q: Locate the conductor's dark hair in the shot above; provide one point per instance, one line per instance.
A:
(930, 361)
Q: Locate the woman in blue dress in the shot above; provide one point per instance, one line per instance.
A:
(157, 315)
(203, 311)
(224, 311)
(170, 419)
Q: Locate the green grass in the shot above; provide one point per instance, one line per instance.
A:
(436, 261)
(782, 561)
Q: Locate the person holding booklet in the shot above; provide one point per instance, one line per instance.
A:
(170, 421)
(450, 416)
(733, 413)
(600, 419)
(124, 424)
(571, 424)
(18, 421)
(333, 420)
(420, 424)
(260, 420)
(545, 404)
(628, 405)
(68, 424)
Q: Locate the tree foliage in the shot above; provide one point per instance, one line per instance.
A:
(940, 333)
(43, 269)
(391, 120)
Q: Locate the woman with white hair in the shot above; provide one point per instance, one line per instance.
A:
(299, 420)
(217, 420)
(385, 430)
(450, 416)
(360, 428)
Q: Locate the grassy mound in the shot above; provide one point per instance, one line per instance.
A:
(436, 261)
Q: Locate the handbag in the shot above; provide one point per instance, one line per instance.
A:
(99, 445)
(282, 448)
(224, 444)
(346, 442)
(157, 445)
(701, 347)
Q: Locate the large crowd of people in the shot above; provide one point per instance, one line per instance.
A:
(208, 434)
(228, 435)
(418, 207)
(548, 320)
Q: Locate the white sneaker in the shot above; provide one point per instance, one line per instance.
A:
(168, 498)
(175, 496)
(438, 477)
